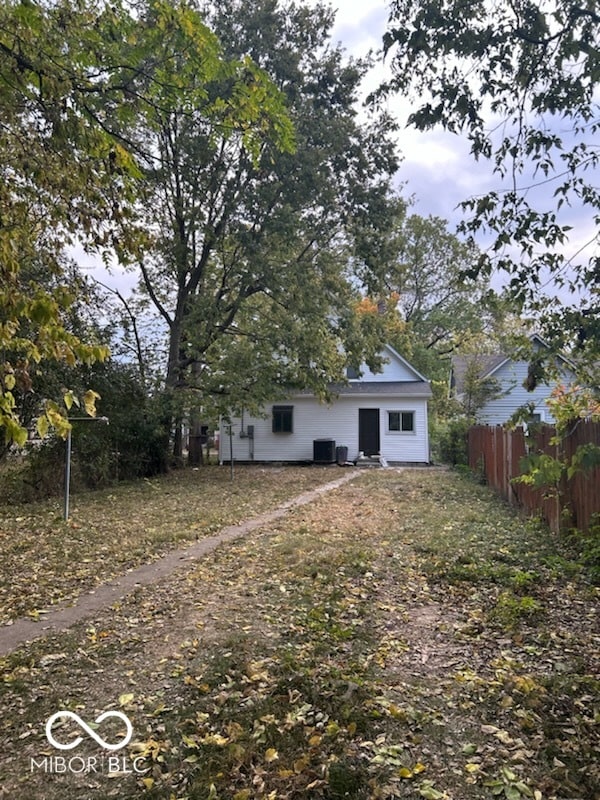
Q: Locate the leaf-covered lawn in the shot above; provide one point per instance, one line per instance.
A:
(45, 560)
(405, 636)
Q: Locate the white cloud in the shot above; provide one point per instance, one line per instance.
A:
(436, 167)
(359, 26)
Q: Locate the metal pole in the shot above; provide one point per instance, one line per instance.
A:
(231, 450)
(67, 475)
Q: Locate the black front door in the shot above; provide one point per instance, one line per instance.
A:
(368, 431)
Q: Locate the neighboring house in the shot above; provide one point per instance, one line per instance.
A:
(377, 414)
(501, 381)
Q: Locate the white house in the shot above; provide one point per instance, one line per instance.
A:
(378, 413)
(509, 375)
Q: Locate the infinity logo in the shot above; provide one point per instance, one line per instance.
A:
(88, 730)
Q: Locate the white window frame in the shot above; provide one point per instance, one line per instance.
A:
(401, 431)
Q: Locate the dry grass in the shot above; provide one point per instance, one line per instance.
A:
(45, 560)
(406, 636)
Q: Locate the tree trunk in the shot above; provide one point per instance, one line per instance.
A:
(197, 436)
(178, 443)
(173, 417)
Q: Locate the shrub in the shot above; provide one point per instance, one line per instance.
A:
(131, 446)
(452, 441)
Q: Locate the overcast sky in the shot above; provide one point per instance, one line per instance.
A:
(437, 169)
(436, 166)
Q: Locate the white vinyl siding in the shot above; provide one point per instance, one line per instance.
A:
(312, 420)
(393, 370)
(514, 395)
(339, 422)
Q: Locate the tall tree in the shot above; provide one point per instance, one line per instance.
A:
(521, 83)
(440, 311)
(435, 299)
(51, 185)
(252, 238)
(74, 76)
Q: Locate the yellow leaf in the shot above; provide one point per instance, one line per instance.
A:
(285, 773)
(148, 782)
(125, 699)
(188, 741)
(234, 730)
(419, 768)
(89, 401)
(470, 767)
(352, 728)
(300, 764)
(215, 738)
(256, 671)
(243, 794)
(396, 712)
(9, 381)
(271, 755)
(504, 737)
(315, 740)
(405, 772)
(526, 684)
(42, 427)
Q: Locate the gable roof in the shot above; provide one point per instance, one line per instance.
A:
(416, 385)
(486, 364)
(395, 354)
(490, 363)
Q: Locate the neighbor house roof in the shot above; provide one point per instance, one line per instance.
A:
(485, 365)
(488, 364)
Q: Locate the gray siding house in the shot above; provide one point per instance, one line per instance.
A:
(510, 376)
(377, 414)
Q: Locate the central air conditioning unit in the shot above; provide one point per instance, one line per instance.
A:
(324, 451)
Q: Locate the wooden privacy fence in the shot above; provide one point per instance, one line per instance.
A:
(497, 452)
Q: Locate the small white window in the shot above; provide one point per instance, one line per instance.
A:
(401, 421)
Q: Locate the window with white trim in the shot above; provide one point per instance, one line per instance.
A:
(401, 421)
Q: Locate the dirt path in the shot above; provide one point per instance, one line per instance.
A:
(62, 617)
